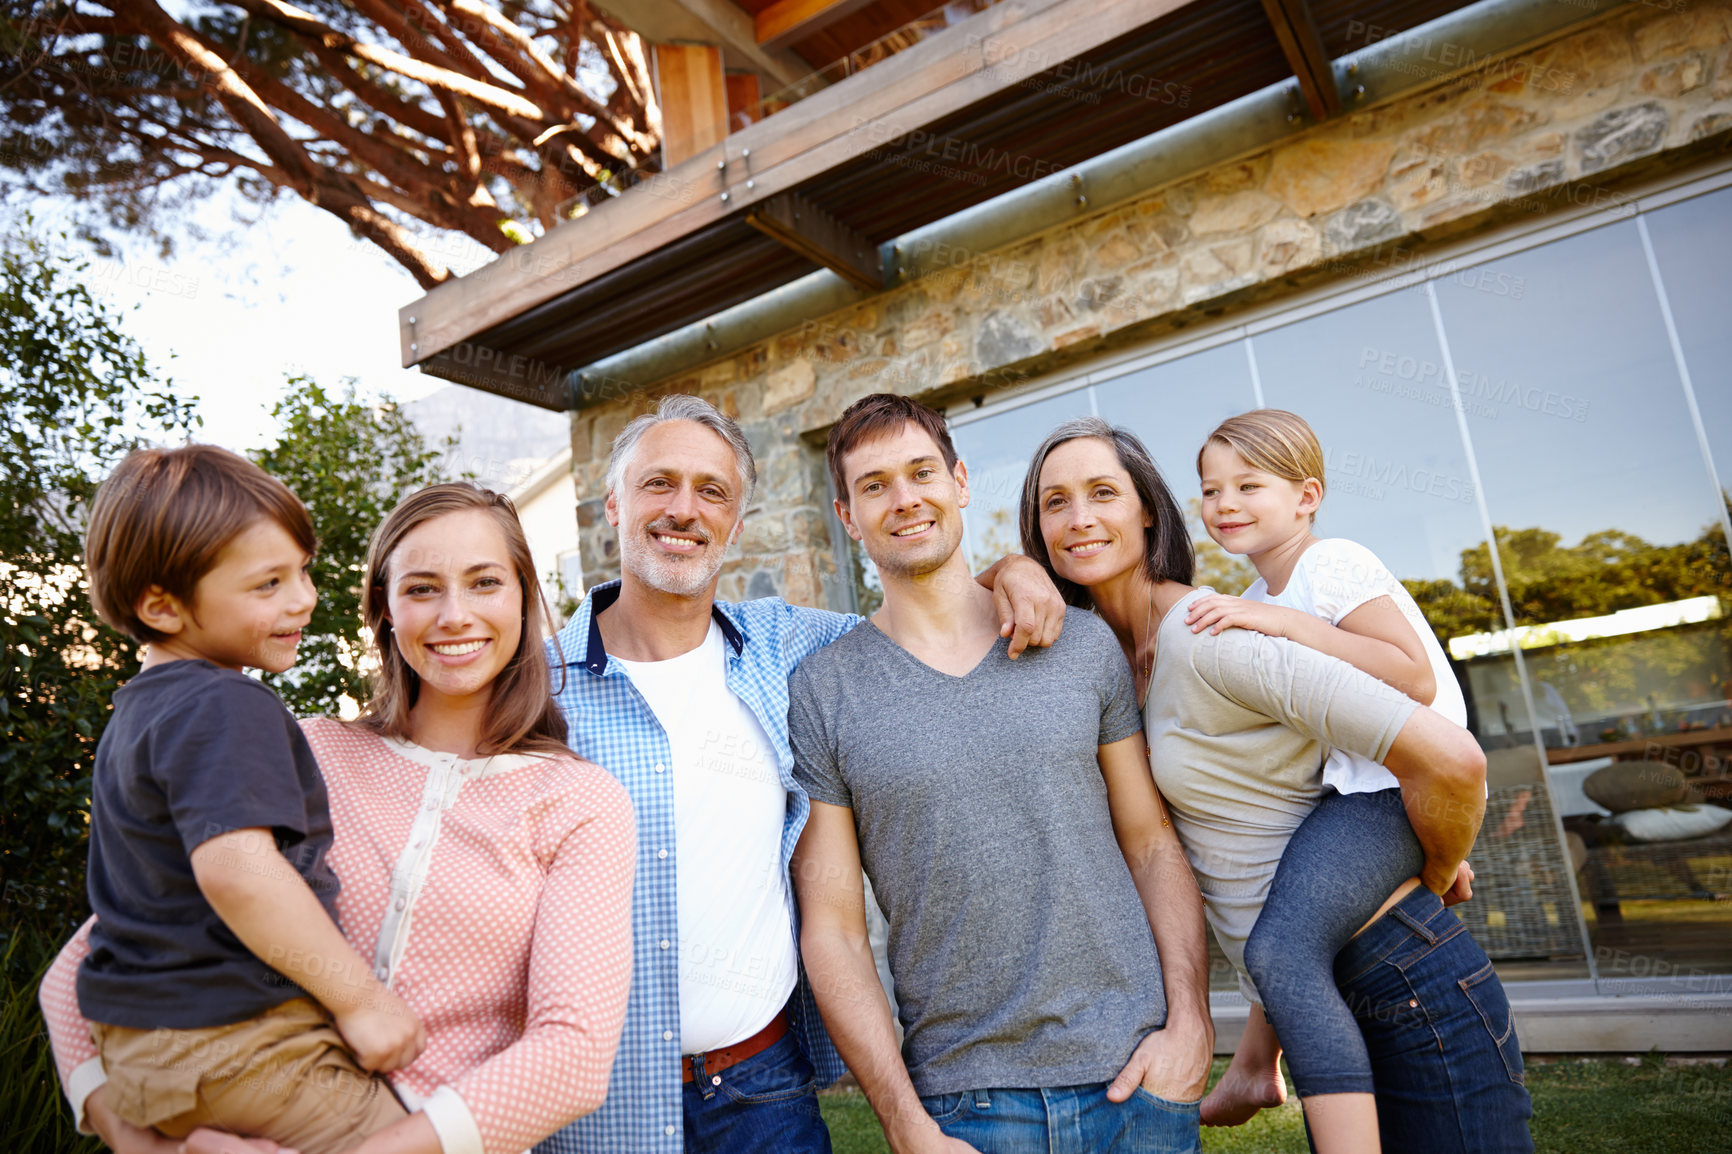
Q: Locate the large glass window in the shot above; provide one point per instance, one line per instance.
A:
(1693, 242)
(1371, 380)
(1606, 711)
(1609, 535)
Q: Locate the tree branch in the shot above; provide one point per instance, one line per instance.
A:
(390, 113)
(512, 47)
(411, 27)
(464, 133)
(376, 96)
(241, 102)
(487, 95)
(348, 205)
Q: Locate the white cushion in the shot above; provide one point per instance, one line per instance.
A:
(1671, 822)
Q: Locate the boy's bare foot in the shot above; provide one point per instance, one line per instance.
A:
(1239, 1094)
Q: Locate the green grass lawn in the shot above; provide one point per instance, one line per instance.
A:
(1597, 1107)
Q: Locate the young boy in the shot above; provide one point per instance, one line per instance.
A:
(205, 927)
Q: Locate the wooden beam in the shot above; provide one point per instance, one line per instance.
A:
(819, 237)
(707, 22)
(694, 99)
(1297, 33)
(988, 54)
(786, 21)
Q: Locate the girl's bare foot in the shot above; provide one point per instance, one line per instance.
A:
(1240, 1093)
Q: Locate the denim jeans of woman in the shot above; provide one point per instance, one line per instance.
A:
(1444, 1053)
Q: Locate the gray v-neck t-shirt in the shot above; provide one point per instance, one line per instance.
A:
(1021, 952)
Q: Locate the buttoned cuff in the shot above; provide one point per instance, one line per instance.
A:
(452, 1121)
(81, 1084)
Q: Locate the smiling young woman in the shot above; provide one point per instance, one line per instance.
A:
(450, 589)
(486, 870)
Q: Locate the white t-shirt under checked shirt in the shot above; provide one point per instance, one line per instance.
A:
(1332, 579)
(737, 960)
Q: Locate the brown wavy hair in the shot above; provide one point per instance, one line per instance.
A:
(521, 716)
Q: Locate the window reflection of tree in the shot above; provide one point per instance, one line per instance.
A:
(1613, 687)
(995, 535)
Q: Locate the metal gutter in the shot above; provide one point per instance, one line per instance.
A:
(1467, 39)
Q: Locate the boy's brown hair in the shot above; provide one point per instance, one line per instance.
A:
(882, 415)
(163, 518)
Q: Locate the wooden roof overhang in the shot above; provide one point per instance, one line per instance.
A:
(1022, 90)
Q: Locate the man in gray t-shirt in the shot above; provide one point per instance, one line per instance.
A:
(1046, 935)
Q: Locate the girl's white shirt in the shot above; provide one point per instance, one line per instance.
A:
(1334, 577)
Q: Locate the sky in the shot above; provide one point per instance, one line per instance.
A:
(230, 317)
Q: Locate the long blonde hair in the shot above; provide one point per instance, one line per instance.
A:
(1273, 441)
(521, 715)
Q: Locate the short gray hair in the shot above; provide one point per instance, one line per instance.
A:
(685, 407)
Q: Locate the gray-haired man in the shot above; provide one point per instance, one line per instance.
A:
(685, 700)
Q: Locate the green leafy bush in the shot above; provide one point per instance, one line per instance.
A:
(76, 395)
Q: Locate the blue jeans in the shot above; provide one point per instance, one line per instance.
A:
(1346, 857)
(767, 1103)
(1444, 1052)
(1065, 1120)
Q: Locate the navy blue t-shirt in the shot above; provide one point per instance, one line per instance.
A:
(192, 751)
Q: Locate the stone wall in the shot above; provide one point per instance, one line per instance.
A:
(1565, 125)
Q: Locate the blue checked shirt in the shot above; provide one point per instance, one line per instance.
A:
(612, 726)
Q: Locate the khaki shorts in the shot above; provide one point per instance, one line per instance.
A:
(284, 1075)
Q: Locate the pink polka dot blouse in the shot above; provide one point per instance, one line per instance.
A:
(492, 895)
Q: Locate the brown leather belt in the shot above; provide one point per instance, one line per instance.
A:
(715, 1061)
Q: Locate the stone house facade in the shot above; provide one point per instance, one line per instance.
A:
(1567, 126)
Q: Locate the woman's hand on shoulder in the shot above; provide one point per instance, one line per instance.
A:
(1220, 611)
